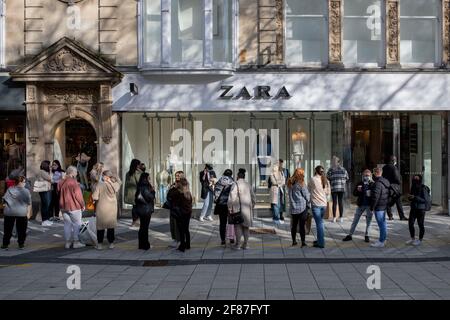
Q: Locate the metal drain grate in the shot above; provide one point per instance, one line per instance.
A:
(262, 231)
(155, 263)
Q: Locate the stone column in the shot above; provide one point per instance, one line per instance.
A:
(35, 147)
(446, 33)
(392, 34)
(335, 34)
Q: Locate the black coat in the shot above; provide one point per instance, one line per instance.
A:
(419, 202)
(361, 195)
(179, 204)
(147, 206)
(380, 195)
(392, 174)
(205, 184)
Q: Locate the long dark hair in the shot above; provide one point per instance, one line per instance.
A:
(183, 187)
(133, 166)
(45, 165)
(144, 180)
(321, 172)
(59, 166)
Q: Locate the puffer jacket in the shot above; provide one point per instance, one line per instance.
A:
(419, 200)
(222, 190)
(17, 200)
(380, 194)
(299, 197)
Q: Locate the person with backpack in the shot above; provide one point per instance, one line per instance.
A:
(420, 202)
(221, 193)
(338, 177)
(379, 204)
(392, 174)
(299, 203)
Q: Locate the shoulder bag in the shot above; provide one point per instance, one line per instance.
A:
(236, 217)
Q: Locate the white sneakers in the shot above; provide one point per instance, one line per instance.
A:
(341, 220)
(47, 223)
(410, 242)
(377, 244)
(111, 246)
(201, 219)
(68, 245)
(334, 220)
(414, 242)
(174, 244)
(209, 218)
(78, 245)
(100, 246)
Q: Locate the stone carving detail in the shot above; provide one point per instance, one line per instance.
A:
(279, 21)
(70, 95)
(65, 61)
(31, 93)
(392, 33)
(446, 32)
(335, 29)
(33, 122)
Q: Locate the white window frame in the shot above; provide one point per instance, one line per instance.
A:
(166, 38)
(2, 33)
(325, 17)
(382, 49)
(438, 44)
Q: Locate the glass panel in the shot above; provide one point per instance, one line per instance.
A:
(152, 31)
(223, 30)
(305, 35)
(419, 7)
(187, 31)
(300, 146)
(362, 31)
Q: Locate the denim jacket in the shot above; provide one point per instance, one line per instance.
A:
(299, 198)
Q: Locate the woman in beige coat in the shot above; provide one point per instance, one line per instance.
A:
(242, 199)
(105, 197)
(277, 183)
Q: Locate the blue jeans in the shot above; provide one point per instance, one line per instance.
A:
(381, 220)
(46, 199)
(276, 208)
(162, 193)
(318, 213)
(207, 205)
(359, 212)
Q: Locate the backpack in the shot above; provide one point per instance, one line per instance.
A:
(427, 197)
(223, 197)
(393, 193)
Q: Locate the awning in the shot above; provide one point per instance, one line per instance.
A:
(12, 95)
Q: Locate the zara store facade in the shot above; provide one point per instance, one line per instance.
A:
(357, 79)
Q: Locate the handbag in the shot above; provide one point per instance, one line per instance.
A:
(90, 206)
(40, 186)
(236, 217)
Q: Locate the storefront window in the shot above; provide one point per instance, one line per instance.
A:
(152, 30)
(362, 32)
(12, 143)
(419, 31)
(223, 31)
(2, 33)
(306, 32)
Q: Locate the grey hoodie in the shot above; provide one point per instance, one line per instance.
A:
(17, 200)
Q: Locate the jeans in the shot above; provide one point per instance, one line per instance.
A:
(72, 225)
(276, 208)
(46, 199)
(318, 213)
(299, 219)
(162, 193)
(338, 197)
(21, 227)
(359, 212)
(144, 244)
(381, 220)
(185, 236)
(420, 216)
(109, 235)
(207, 205)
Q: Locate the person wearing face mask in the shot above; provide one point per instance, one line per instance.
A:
(392, 174)
(379, 200)
(363, 192)
(419, 197)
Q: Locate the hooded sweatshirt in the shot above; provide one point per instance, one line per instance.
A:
(222, 190)
(17, 200)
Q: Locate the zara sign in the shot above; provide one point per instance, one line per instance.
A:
(259, 92)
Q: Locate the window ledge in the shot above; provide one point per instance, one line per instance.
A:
(187, 71)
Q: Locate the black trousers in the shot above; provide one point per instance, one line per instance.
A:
(296, 220)
(420, 216)
(222, 211)
(185, 235)
(134, 214)
(54, 205)
(338, 197)
(399, 205)
(21, 227)
(144, 219)
(109, 234)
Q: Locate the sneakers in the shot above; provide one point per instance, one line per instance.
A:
(236, 247)
(304, 244)
(174, 244)
(410, 242)
(78, 245)
(341, 220)
(377, 244)
(21, 247)
(135, 225)
(366, 239)
(281, 221)
(417, 242)
(348, 238)
(47, 223)
(201, 219)
(334, 220)
(111, 246)
(99, 246)
(68, 245)
(209, 218)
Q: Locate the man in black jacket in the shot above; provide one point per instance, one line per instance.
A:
(363, 191)
(379, 203)
(392, 174)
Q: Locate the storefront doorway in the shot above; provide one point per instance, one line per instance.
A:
(12, 143)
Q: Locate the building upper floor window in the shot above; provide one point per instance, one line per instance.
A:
(188, 34)
(419, 32)
(306, 32)
(2, 33)
(362, 34)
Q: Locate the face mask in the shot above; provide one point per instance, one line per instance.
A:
(366, 179)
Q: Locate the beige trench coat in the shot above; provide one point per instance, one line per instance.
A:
(278, 182)
(105, 197)
(247, 203)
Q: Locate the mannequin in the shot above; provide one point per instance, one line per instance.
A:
(163, 180)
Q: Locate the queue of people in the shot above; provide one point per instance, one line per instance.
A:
(232, 200)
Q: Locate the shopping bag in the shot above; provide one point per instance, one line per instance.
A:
(88, 232)
(87, 196)
(230, 234)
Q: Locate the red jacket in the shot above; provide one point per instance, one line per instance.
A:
(71, 198)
